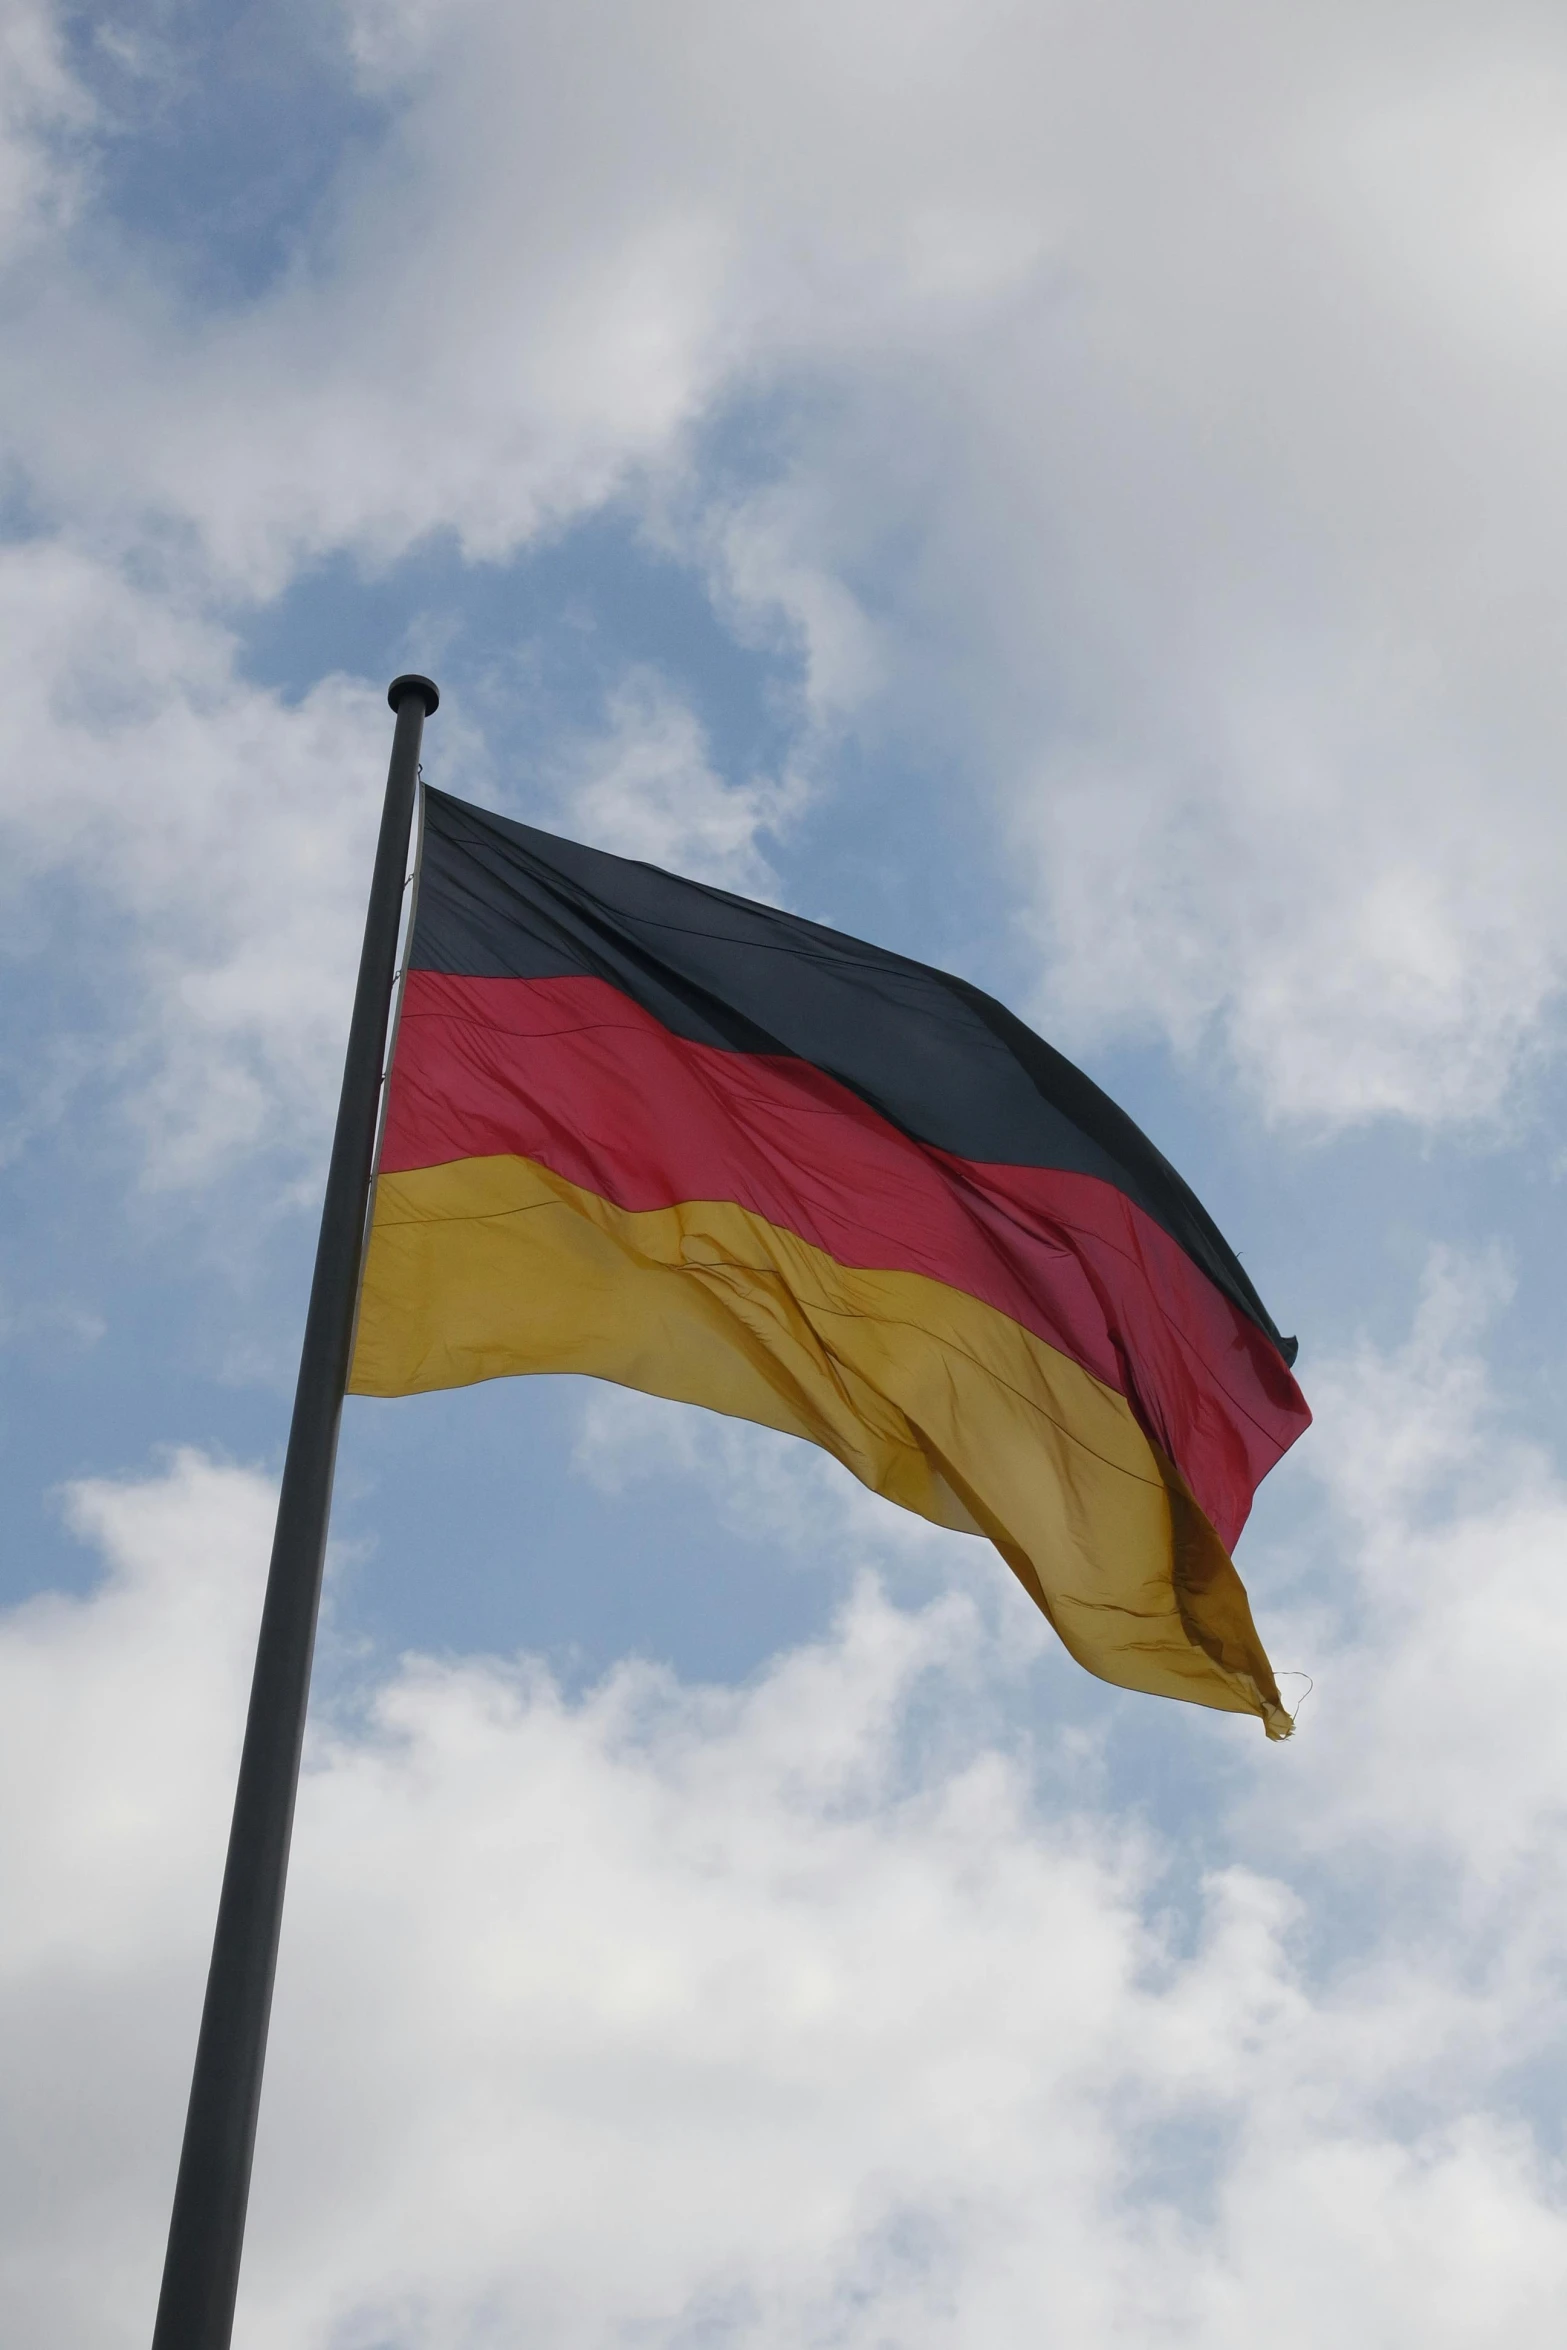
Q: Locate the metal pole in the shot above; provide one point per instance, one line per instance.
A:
(206, 2233)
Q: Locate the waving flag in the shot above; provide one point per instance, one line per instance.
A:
(643, 1129)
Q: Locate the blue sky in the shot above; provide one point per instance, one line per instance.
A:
(1073, 496)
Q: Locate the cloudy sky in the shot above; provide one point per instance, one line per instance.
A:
(1071, 492)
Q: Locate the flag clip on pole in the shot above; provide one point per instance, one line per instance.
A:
(206, 2232)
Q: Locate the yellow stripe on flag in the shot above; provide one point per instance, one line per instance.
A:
(484, 1268)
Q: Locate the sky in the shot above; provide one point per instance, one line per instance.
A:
(1072, 493)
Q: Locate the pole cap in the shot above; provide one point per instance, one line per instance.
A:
(401, 687)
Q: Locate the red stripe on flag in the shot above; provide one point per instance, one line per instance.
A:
(573, 1074)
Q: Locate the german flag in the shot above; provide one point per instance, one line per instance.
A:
(644, 1129)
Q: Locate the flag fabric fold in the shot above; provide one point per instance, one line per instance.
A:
(643, 1129)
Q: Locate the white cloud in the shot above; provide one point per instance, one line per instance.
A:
(1439, 1746)
(646, 787)
(41, 109)
(121, 1729)
(220, 843)
(763, 2016)
(1163, 416)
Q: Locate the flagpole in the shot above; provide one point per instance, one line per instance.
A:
(206, 2232)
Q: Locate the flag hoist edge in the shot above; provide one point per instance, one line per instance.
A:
(643, 1129)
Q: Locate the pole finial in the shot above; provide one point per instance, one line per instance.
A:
(401, 687)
